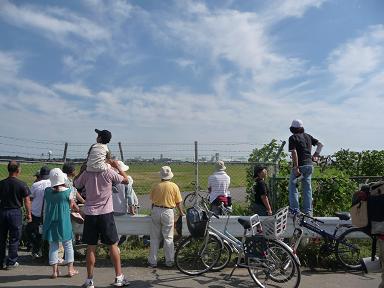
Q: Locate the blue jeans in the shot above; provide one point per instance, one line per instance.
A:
(10, 222)
(54, 252)
(306, 172)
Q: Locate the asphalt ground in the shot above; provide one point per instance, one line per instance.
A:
(35, 274)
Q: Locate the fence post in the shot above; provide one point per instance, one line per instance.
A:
(273, 180)
(196, 167)
(121, 152)
(65, 152)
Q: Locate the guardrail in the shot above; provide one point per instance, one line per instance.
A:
(141, 225)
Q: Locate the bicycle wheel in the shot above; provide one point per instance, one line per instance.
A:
(351, 246)
(277, 268)
(194, 256)
(225, 257)
(190, 200)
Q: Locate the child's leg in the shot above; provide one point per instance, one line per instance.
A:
(53, 258)
(69, 257)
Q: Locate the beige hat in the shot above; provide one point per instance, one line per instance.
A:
(57, 177)
(122, 166)
(166, 173)
(219, 166)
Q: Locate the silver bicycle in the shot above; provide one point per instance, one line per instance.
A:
(270, 262)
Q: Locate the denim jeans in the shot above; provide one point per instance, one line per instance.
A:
(54, 252)
(306, 172)
(10, 222)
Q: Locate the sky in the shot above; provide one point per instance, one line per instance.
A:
(175, 72)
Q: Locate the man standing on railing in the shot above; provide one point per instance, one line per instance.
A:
(12, 194)
(300, 146)
(218, 184)
(165, 196)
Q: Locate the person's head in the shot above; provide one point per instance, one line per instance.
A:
(103, 136)
(69, 168)
(219, 166)
(44, 173)
(13, 168)
(297, 126)
(166, 173)
(57, 178)
(260, 172)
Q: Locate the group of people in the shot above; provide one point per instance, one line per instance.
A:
(106, 186)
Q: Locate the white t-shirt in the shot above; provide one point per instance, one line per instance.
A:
(37, 195)
(219, 183)
(97, 157)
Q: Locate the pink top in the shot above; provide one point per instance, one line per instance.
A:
(98, 187)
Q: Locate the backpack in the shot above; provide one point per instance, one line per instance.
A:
(197, 221)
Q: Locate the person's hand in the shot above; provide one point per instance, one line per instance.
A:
(297, 172)
(114, 164)
(315, 157)
(269, 213)
(28, 217)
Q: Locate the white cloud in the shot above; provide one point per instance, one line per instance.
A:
(354, 60)
(75, 89)
(9, 65)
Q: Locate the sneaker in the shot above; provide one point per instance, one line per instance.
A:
(152, 265)
(88, 284)
(121, 281)
(14, 265)
(169, 264)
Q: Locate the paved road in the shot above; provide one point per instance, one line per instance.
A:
(35, 275)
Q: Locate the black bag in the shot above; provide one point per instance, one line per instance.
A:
(375, 208)
(197, 221)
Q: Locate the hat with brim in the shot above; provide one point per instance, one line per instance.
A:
(57, 177)
(219, 166)
(297, 123)
(166, 173)
(105, 135)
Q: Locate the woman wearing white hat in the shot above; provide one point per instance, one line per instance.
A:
(57, 225)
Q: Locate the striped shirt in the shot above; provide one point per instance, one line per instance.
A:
(218, 183)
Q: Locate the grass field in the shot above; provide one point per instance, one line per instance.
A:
(147, 174)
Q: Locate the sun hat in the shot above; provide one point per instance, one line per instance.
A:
(57, 177)
(44, 172)
(122, 166)
(166, 173)
(219, 166)
(297, 123)
(105, 135)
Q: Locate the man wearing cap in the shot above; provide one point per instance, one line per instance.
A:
(12, 194)
(300, 145)
(37, 198)
(218, 184)
(165, 196)
(98, 154)
(99, 223)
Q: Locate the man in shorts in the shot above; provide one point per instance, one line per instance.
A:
(99, 222)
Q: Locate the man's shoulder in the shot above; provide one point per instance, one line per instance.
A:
(42, 184)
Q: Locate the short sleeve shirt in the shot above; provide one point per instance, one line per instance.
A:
(12, 192)
(37, 195)
(259, 189)
(219, 183)
(302, 143)
(165, 194)
(98, 186)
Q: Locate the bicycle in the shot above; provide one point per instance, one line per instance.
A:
(269, 261)
(196, 198)
(349, 246)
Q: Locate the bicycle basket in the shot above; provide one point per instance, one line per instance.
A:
(197, 221)
(274, 226)
(255, 246)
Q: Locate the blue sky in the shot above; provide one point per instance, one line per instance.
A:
(180, 71)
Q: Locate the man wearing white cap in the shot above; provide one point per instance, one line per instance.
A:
(165, 196)
(300, 145)
(218, 184)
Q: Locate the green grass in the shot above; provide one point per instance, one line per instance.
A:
(145, 175)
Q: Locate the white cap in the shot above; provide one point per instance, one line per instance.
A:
(219, 166)
(122, 166)
(57, 177)
(166, 173)
(297, 123)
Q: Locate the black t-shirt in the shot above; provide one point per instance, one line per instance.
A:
(12, 192)
(259, 189)
(302, 143)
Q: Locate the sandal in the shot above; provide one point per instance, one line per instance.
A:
(73, 273)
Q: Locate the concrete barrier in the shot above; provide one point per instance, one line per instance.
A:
(141, 225)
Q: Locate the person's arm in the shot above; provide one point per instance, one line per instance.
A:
(295, 162)
(179, 207)
(27, 205)
(265, 200)
(73, 206)
(79, 198)
(115, 165)
(316, 155)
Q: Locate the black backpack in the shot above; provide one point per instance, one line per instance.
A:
(197, 221)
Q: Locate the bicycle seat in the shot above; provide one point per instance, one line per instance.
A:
(343, 215)
(246, 223)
